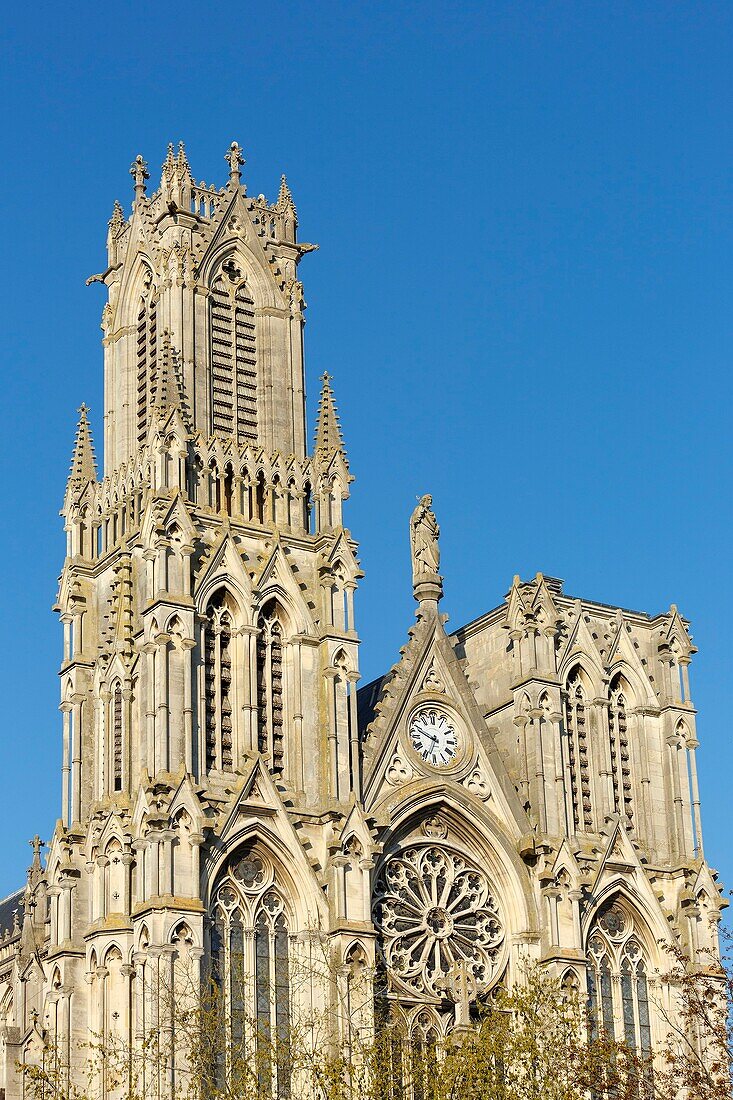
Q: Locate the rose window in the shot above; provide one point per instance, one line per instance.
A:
(434, 909)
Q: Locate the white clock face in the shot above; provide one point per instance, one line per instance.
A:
(433, 736)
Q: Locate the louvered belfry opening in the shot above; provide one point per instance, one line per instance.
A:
(620, 750)
(117, 738)
(218, 682)
(270, 702)
(147, 339)
(233, 359)
(577, 743)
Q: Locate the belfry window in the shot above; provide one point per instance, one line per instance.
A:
(218, 688)
(577, 747)
(145, 352)
(270, 693)
(620, 753)
(233, 357)
(618, 985)
(251, 967)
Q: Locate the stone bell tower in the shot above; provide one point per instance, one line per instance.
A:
(208, 686)
(217, 271)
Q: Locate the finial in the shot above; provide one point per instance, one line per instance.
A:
(427, 584)
(183, 165)
(36, 844)
(139, 172)
(234, 159)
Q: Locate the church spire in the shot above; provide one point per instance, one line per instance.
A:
(328, 429)
(83, 462)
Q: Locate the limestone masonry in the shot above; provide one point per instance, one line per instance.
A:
(522, 788)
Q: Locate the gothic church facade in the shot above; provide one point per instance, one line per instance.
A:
(522, 788)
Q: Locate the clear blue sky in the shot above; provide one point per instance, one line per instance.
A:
(523, 292)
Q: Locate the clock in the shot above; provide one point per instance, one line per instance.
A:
(434, 736)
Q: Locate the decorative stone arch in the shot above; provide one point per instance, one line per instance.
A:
(250, 265)
(142, 277)
(306, 905)
(590, 667)
(623, 961)
(256, 914)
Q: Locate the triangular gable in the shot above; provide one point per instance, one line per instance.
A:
(623, 657)
(243, 240)
(276, 579)
(581, 646)
(185, 798)
(224, 566)
(341, 550)
(257, 812)
(429, 664)
(621, 871)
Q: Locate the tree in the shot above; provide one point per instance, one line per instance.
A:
(533, 1041)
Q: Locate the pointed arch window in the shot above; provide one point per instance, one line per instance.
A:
(620, 751)
(577, 744)
(218, 685)
(233, 357)
(618, 985)
(270, 689)
(251, 967)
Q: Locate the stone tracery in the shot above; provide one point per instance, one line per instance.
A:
(434, 909)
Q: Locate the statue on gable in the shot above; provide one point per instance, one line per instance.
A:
(424, 534)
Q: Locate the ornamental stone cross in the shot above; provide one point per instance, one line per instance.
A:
(461, 984)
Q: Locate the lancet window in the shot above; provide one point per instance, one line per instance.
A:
(576, 730)
(270, 685)
(146, 352)
(251, 967)
(233, 357)
(620, 752)
(218, 685)
(618, 982)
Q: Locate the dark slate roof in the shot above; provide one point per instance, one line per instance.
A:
(366, 702)
(8, 906)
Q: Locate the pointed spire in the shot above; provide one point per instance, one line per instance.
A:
(118, 218)
(285, 202)
(328, 427)
(169, 164)
(183, 165)
(83, 462)
(285, 196)
(168, 390)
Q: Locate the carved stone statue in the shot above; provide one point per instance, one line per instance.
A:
(424, 533)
